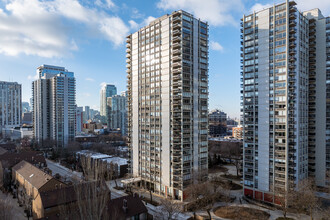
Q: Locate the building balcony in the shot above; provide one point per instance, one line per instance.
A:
(292, 30)
(292, 23)
(176, 33)
(176, 52)
(176, 39)
(292, 9)
(176, 58)
(176, 45)
(176, 26)
(176, 65)
(177, 71)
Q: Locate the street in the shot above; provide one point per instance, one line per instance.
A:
(63, 171)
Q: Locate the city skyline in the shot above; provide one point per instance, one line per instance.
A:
(101, 59)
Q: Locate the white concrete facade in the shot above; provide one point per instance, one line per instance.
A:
(167, 119)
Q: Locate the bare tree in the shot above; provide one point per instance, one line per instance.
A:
(305, 199)
(171, 208)
(92, 200)
(6, 209)
(203, 196)
(286, 199)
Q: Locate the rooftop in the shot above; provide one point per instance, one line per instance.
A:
(32, 174)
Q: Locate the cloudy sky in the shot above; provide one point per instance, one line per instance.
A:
(88, 38)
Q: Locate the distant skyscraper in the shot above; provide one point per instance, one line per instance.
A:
(25, 107)
(87, 114)
(217, 123)
(117, 114)
(167, 66)
(79, 119)
(10, 104)
(54, 104)
(285, 78)
(107, 90)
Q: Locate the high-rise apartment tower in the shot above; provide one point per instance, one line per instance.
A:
(284, 105)
(54, 105)
(117, 113)
(10, 105)
(167, 66)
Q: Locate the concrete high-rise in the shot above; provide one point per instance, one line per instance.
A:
(10, 104)
(167, 66)
(284, 99)
(107, 90)
(117, 113)
(319, 96)
(54, 105)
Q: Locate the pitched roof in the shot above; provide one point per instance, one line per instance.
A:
(8, 146)
(135, 206)
(2, 151)
(9, 159)
(68, 194)
(58, 196)
(32, 174)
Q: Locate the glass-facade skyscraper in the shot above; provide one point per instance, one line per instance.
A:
(107, 90)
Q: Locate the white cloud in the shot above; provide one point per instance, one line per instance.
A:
(323, 5)
(103, 84)
(114, 29)
(90, 79)
(106, 3)
(216, 12)
(215, 46)
(42, 28)
(258, 7)
(35, 77)
(148, 20)
(303, 5)
(133, 25)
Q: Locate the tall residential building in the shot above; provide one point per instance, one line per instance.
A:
(167, 66)
(285, 68)
(107, 90)
(10, 104)
(319, 96)
(54, 104)
(117, 113)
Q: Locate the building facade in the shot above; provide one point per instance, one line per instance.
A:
(167, 66)
(107, 90)
(319, 104)
(117, 114)
(217, 123)
(79, 119)
(237, 132)
(10, 105)
(274, 100)
(54, 105)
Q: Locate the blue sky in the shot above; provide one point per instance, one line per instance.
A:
(88, 38)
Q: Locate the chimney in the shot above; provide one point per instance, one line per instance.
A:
(125, 205)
